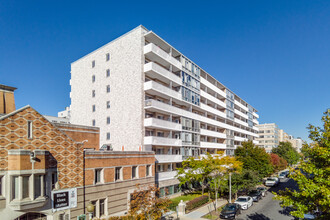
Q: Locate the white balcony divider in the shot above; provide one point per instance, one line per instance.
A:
(163, 141)
(212, 145)
(153, 67)
(212, 110)
(213, 133)
(159, 123)
(161, 53)
(213, 99)
(213, 87)
(167, 158)
(166, 175)
(152, 85)
(174, 110)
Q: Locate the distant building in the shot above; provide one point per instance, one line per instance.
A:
(268, 136)
(65, 114)
(283, 136)
(296, 143)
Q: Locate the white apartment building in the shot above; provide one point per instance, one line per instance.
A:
(146, 95)
(268, 136)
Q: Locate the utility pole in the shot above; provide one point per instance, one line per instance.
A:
(229, 187)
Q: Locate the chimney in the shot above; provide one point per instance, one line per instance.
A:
(7, 101)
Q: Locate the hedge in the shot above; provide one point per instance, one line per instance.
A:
(197, 202)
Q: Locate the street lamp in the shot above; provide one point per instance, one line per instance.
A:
(83, 142)
(90, 210)
(229, 187)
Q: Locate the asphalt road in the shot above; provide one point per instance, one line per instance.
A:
(267, 208)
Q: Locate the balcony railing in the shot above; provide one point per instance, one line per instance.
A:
(163, 141)
(168, 158)
(152, 85)
(166, 175)
(213, 145)
(159, 123)
(154, 68)
(152, 48)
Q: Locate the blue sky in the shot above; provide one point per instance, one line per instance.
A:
(273, 54)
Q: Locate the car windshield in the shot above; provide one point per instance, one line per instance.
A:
(282, 174)
(254, 192)
(261, 188)
(229, 208)
(271, 179)
(241, 200)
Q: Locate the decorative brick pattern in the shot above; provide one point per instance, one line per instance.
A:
(66, 154)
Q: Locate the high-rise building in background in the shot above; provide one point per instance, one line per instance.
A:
(268, 136)
(146, 95)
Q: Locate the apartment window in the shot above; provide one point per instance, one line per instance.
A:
(15, 187)
(93, 108)
(93, 63)
(93, 122)
(54, 179)
(108, 120)
(94, 204)
(134, 172)
(107, 57)
(1, 177)
(118, 173)
(37, 185)
(108, 104)
(108, 135)
(108, 73)
(148, 170)
(97, 176)
(108, 88)
(29, 129)
(93, 93)
(25, 192)
(102, 207)
(93, 78)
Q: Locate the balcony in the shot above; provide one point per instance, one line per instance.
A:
(160, 176)
(212, 110)
(212, 133)
(162, 141)
(155, 71)
(168, 158)
(241, 105)
(159, 123)
(213, 145)
(255, 115)
(212, 98)
(154, 53)
(213, 87)
(155, 88)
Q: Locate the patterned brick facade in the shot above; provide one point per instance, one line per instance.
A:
(65, 153)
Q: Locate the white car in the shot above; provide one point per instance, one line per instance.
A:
(271, 181)
(282, 175)
(244, 201)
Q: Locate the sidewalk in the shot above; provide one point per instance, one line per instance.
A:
(198, 213)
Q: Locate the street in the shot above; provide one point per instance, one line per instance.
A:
(267, 208)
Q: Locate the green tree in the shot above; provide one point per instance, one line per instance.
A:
(246, 180)
(313, 178)
(254, 158)
(287, 152)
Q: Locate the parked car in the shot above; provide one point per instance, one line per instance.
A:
(255, 195)
(282, 175)
(244, 201)
(263, 190)
(230, 211)
(271, 181)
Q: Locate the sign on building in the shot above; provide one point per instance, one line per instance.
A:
(64, 199)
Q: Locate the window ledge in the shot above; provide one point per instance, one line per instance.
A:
(28, 204)
(2, 198)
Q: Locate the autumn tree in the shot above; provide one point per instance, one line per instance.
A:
(254, 158)
(197, 170)
(278, 162)
(287, 152)
(313, 177)
(145, 203)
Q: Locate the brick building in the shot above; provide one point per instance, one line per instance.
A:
(42, 167)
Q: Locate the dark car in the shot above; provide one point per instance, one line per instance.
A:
(230, 211)
(256, 195)
(263, 190)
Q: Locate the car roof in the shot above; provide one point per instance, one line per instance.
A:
(243, 197)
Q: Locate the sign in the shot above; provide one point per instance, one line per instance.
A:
(64, 199)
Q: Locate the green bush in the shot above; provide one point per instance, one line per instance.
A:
(199, 201)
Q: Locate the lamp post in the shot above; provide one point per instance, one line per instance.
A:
(230, 187)
(84, 175)
(90, 210)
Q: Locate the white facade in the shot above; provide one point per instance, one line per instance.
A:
(145, 95)
(269, 136)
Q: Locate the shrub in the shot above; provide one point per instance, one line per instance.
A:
(199, 201)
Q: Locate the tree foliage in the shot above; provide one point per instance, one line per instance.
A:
(146, 205)
(278, 162)
(254, 158)
(287, 152)
(313, 178)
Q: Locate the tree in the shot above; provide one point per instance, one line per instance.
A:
(254, 158)
(313, 177)
(195, 170)
(146, 205)
(286, 151)
(246, 180)
(278, 162)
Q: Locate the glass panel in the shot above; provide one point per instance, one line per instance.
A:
(37, 186)
(25, 186)
(15, 187)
